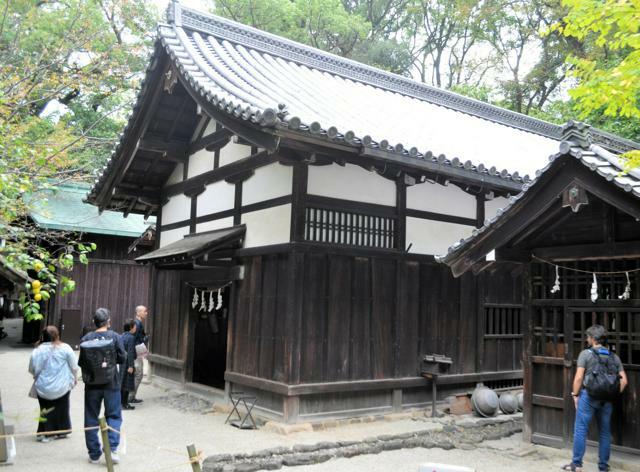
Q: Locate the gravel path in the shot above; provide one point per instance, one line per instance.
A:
(158, 431)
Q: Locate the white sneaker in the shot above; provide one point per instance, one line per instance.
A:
(115, 458)
(94, 461)
(43, 439)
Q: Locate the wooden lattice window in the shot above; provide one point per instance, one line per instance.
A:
(350, 227)
(502, 320)
(623, 325)
(548, 331)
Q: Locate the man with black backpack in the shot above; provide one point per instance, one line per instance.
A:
(599, 381)
(100, 353)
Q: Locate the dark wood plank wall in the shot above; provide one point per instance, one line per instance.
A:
(363, 318)
(118, 286)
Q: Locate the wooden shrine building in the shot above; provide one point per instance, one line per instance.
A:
(300, 199)
(575, 232)
(112, 278)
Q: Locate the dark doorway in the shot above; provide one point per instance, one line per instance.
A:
(71, 327)
(210, 340)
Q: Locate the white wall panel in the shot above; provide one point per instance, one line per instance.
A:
(233, 152)
(200, 162)
(274, 180)
(351, 182)
(491, 207)
(449, 200)
(176, 175)
(218, 196)
(434, 237)
(215, 224)
(178, 208)
(269, 226)
(172, 235)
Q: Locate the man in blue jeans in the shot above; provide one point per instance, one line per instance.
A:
(587, 407)
(109, 392)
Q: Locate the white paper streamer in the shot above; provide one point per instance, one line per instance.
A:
(194, 301)
(627, 290)
(594, 289)
(556, 285)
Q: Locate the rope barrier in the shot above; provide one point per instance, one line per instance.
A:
(49, 433)
(613, 272)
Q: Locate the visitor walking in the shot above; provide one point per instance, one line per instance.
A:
(142, 348)
(54, 368)
(101, 352)
(599, 380)
(127, 372)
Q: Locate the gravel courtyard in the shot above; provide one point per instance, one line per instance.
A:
(157, 432)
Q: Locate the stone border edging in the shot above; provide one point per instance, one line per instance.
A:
(464, 435)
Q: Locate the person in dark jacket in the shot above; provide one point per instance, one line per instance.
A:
(128, 378)
(109, 392)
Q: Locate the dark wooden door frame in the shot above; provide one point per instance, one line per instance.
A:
(191, 316)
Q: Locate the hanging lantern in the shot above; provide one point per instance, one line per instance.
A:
(594, 289)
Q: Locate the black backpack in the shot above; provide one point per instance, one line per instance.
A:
(98, 361)
(603, 382)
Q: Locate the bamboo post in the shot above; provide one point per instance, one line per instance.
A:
(3, 442)
(193, 455)
(106, 447)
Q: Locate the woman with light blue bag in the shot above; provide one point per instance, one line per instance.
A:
(54, 367)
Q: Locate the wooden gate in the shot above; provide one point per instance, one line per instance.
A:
(554, 339)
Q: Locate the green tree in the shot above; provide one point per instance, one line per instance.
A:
(81, 57)
(608, 72)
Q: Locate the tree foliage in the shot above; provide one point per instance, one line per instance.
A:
(67, 71)
(608, 72)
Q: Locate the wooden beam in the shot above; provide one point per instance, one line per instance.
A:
(583, 252)
(252, 134)
(298, 201)
(149, 104)
(212, 141)
(175, 149)
(365, 385)
(254, 161)
(166, 361)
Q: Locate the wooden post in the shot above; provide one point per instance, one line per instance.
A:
(106, 447)
(193, 455)
(3, 442)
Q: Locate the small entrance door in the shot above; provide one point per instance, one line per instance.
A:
(71, 327)
(210, 340)
(555, 340)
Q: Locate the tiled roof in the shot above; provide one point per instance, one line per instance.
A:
(597, 159)
(276, 83)
(64, 209)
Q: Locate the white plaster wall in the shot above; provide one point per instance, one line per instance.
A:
(200, 162)
(269, 226)
(233, 152)
(491, 207)
(215, 224)
(351, 182)
(178, 208)
(448, 200)
(218, 196)
(434, 237)
(172, 235)
(274, 180)
(176, 175)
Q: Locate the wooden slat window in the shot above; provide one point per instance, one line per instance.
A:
(348, 227)
(502, 321)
